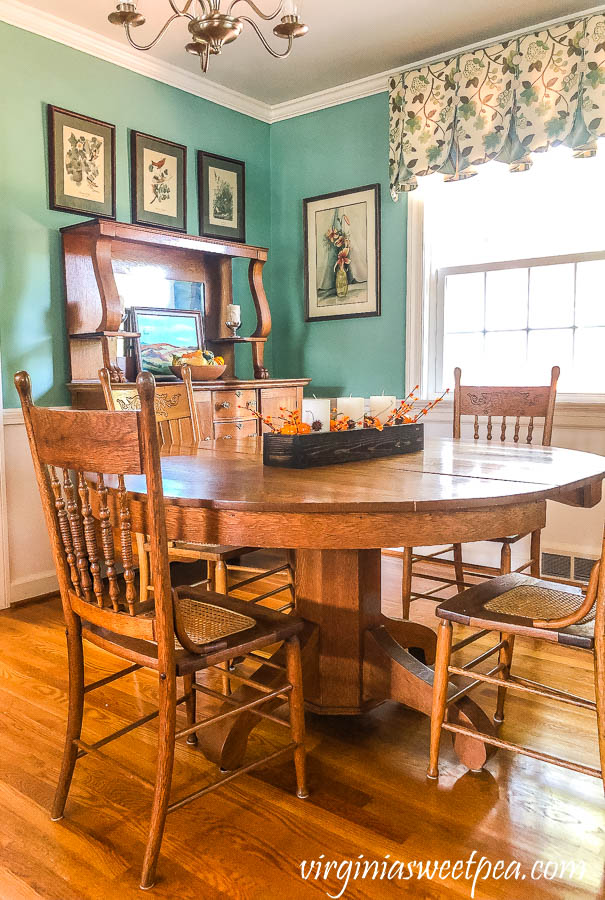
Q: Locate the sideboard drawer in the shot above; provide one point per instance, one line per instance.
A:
(235, 431)
(232, 404)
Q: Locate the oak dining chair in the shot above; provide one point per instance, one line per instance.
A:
(175, 634)
(499, 409)
(512, 605)
(177, 423)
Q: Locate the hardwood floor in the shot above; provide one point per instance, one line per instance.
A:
(369, 795)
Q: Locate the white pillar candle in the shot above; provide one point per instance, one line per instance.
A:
(234, 313)
(354, 407)
(382, 407)
(314, 410)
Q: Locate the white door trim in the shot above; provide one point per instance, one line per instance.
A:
(5, 580)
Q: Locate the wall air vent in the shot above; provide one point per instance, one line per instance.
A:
(582, 567)
(556, 565)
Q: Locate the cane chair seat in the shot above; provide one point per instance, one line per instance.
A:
(513, 603)
(205, 622)
(216, 623)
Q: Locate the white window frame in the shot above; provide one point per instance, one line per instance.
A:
(424, 305)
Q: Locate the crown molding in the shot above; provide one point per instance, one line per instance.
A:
(45, 24)
(14, 12)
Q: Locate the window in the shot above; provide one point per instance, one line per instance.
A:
(514, 275)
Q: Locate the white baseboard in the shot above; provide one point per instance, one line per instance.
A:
(33, 586)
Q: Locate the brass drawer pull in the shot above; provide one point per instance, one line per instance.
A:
(226, 437)
(224, 405)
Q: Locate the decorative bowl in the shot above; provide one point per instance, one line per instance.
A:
(201, 373)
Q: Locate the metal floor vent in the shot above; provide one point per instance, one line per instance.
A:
(556, 565)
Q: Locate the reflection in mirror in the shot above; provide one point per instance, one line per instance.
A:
(147, 286)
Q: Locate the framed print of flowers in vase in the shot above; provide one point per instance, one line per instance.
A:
(342, 254)
(158, 182)
(82, 164)
(222, 197)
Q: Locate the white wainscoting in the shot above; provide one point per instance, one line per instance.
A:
(27, 566)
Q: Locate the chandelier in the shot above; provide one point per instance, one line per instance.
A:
(211, 28)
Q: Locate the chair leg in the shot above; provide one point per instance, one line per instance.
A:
(163, 779)
(599, 673)
(458, 569)
(75, 656)
(190, 705)
(506, 658)
(220, 577)
(505, 560)
(406, 583)
(535, 554)
(297, 714)
(440, 682)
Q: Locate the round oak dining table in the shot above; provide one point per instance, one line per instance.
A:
(336, 519)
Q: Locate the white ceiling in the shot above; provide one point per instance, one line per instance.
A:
(347, 40)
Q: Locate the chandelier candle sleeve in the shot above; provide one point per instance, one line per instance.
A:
(382, 407)
(353, 407)
(316, 413)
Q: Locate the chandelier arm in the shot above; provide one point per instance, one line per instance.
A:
(264, 41)
(184, 10)
(160, 34)
(258, 12)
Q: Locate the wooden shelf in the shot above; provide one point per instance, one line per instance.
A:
(93, 335)
(237, 340)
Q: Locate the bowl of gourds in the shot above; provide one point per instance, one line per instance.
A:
(203, 364)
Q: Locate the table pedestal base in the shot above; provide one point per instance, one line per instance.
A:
(353, 657)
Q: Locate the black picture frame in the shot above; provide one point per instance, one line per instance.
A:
(144, 178)
(235, 182)
(137, 314)
(73, 180)
(326, 203)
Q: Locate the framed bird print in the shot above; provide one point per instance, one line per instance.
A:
(158, 182)
(222, 196)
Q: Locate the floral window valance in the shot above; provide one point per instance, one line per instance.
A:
(502, 102)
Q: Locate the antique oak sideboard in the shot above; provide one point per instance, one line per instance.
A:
(101, 257)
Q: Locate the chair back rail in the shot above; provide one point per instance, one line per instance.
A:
(506, 404)
(175, 409)
(81, 458)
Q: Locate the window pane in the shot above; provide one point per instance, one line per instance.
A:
(590, 293)
(506, 299)
(589, 371)
(551, 294)
(505, 357)
(464, 305)
(546, 349)
(466, 351)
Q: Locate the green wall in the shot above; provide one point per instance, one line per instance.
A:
(32, 326)
(338, 148)
(335, 149)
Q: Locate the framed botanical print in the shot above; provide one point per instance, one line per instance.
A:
(82, 164)
(158, 181)
(342, 254)
(164, 334)
(222, 197)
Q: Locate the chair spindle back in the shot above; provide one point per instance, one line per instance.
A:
(506, 403)
(175, 410)
(81, 459)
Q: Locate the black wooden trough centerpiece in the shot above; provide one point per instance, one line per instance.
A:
(301, 451)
